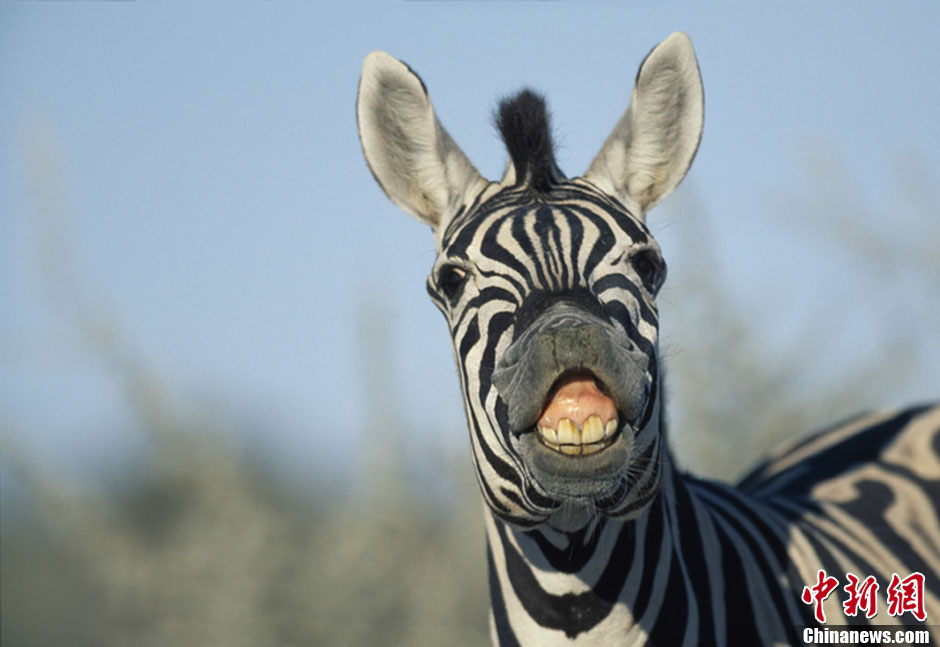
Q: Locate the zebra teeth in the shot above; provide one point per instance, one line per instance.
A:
(592, 430)
(570, 439)
(593, 448)
(568, 433)
(549, 436)
(610, 428)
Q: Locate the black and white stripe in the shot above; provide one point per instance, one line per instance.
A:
(618, 547)
(711, 564)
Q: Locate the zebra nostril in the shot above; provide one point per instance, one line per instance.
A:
(538, 302)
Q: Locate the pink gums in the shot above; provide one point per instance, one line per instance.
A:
(577, 398)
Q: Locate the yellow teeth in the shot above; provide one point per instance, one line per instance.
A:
(592, 430)
(568, 433)
(611, 428)
(567, 438)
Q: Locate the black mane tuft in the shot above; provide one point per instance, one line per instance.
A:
(523, 122)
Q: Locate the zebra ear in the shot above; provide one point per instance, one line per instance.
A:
(412, 157)
(652, 146)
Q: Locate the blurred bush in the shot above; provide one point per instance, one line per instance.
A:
(201, 545)
(737, 383)
(198, 544)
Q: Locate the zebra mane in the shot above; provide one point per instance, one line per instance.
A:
(523, 122)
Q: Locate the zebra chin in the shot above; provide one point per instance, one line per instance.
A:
(578, 479)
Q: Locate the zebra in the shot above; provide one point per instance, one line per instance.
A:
(548, 285)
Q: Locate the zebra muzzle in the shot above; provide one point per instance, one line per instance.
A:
(572, 377)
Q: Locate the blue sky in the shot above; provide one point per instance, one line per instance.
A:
(219, 209)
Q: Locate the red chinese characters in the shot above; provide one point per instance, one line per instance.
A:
(907, 595)
(904, 595)
(824, 586)
(861, 596)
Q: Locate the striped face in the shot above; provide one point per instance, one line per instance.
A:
(548, 284)
(573, 270)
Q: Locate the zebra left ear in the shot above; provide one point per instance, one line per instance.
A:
(652, 146)
(410, 154)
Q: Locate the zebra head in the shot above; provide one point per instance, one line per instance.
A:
(548, 284)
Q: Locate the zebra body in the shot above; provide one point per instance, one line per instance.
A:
(548, 285)
(712, 564)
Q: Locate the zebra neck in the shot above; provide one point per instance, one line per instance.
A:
(593, 583)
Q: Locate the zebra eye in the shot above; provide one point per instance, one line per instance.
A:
(650, 269)
(451, 279)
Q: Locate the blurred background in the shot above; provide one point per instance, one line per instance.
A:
(228, 412)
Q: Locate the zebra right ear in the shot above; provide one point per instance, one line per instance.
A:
(412, 157)
(652, 146)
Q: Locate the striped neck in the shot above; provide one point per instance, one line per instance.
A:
(548, 587)
(609, 582)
